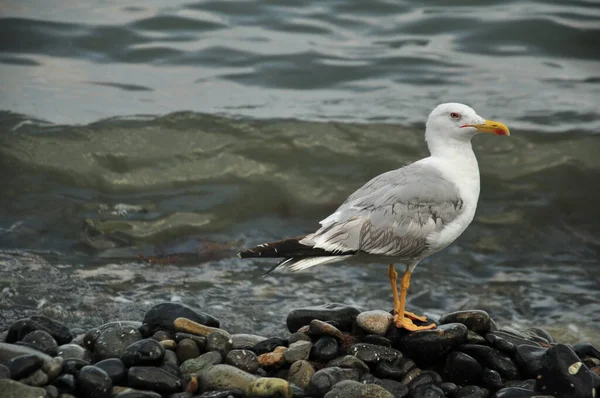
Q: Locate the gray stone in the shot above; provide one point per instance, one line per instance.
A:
(326, 378)
(14, 389)
(342, 314)
(372, 354)
(42, 341)
(204, 361)
(37, 379)
(220, 342)
(245, 341)
(53, 367)
(243, 359)
(74, 351)
(297, 351)
(300, 373)
(187, 349)
(225, 377)
(350, 362)
(154, 379)
(354, 389)
(113, 341)
(375, 322)
(9, 351)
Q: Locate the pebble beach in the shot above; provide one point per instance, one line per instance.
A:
(332, 350)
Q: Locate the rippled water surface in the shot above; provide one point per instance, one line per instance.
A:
(143, 144)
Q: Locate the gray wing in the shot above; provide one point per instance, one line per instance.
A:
(391, 215)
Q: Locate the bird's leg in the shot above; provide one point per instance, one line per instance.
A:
(404, 318)
(393, 275)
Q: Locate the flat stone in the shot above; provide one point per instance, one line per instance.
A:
(94, 382)
(323, 380)
(153, 379)
(163, 316)
(90, 337)
(298, 351)
(114, 368)
(320, 328)
(397, 389)
(65, 383)
(188, 326)
(529, 358)
(23, 365)
(325, 349)
(146, 352)
(515, 337)
(225, 377)
(41, 341)
(14, 389)
(243, 359)
(4, 372)
(349, 362)
(294, 337)
(411, 376)
(516, 392)
(342, 314)
(245, 341)
(170, 345)
(428, 391)
(113, 341)
(564, 375)
(74, 351)
(268, 345)
(372, 354)
(300, 373)
(471, 392)
(273, 359)
(219, 341)
(199, 340)
(427, 346)
(131, 393)
(37, 379)
(187, 349)
(492, 359)
(269, 387)
(204, 361)
(8, 351)
(475, 320)
(377, 340)
(354, 389)
(375, 322)
(462, 369)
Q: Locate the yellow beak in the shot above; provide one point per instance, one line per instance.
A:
(490, 126)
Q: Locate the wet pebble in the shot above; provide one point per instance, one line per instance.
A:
(529, 358)
(514, 337)
(42, 341)
(220, 342)
(93, 382)
(24, 365)
(372, 354)
(462, 368)
(188, 326)
(161, 335)
(51, 391)
(325, 349)
(377, 340)
(427, 346)
(492, 379)
(199, 340)
(131, 393)
(91, 336)
(475, 320)
(269, 387)
(187, 349)
(324, 379)
(74, 351)
(516, 392)
(245, 340)
(225, 377)
(449, 388)
(427, 391)
(204, 361)
(113, 341)
(170, 345)
(14, 389)
(564, 375)
(222, 394)
(273, 359)
(354, 389)
(300, 373)
(295, 337)
(268, 345)
(163, 316)
(4, 372)
(243, 359)
(389, 370)
(342, 314)
(472, 392)
(500, 343)
(321, 328)
(349, 362)
(65, 383)
(492, 359)
(475, 338)
(114, 368)
(73, 366)
(146, 352)
(37, 378)
(375, 322)
(298, 351)
(411, 376)
(394, 387)
(154, 379)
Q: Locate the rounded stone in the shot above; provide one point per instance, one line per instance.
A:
(161, 335)
(42, 341)
(188, 326)
(199, 340)
(268, 345)
(65, 383)
(300, 373)
(74, 351)
(220, 342)
(93, 382)
(269, 387)
(90, 337)
(113, 341)
(562, 374)
(51, 391)
(187, 349)
(354, 389)
(37, 378)
(4, 372)
(475, 320)
(243, 359)
(171, 357)
(372, 354)
(394, 387)
(23, 366)
(325, 379)
(298, 351)
(462, 368)
(204, 361)
(153, 379)
(493, 359)
(472, 392)
(375, 322)
(163, 316)
(342, 314)
(295, 337)
(320, 328)
(245, 341)
(114, 368)
(492, 379)
(73, 366)
(225, 377)
(146, 352)
(130, 393)
(273, 359)
(349, 362)
(325, 349)
(53, 367)
(529, 358)
(427, 346)
(377, 340)
(500, 343)
(427, 391)
(14, 389)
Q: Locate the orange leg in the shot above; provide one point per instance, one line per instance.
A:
(404, 318)
(393, 275)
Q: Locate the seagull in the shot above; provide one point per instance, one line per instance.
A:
(401, 216)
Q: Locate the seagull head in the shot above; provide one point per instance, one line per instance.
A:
(453, 122)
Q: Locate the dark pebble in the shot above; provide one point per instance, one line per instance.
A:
(515, 337)
(475, 338)
(51, 391)
(41, 341)
(377, 340)
(320, 328)
(371, 354)
(65, 383)
(93, 382)
(38, 378)
(113, 341)
(171, 368)
(462, 368)
(349, 362)
(529, 358)
(243, 359)
(74, 365)
(516, 392)
(435, 376)
(325, 379)
(222, 394)
(147, 352)
(58, 331)
(397, 389)
(411, 376)
(492, 359)
(325, 349)
(90, 337)
(564, 375)
(449, 388)
(475, 320)
(74, 351)
(422, 379)
(427, 391)
(472, 392)
(4, 372)
(161, 335)
(138, 394)
(24, 365)
(187, 349)
(171, 357)
(342, 314)
(492, 379)
(114, 368)
(199, 340)
(407, 365)
(584, 350)
(162, 316)
(427, 346)
(298, 336)
(528, 384)
(20, 329)
(500, 343)
(220, 342)
(389, 370)
(154, 379)
(268, 345)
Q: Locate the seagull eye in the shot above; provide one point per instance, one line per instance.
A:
(455, 115)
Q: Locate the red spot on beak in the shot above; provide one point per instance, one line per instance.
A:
(500, 132)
